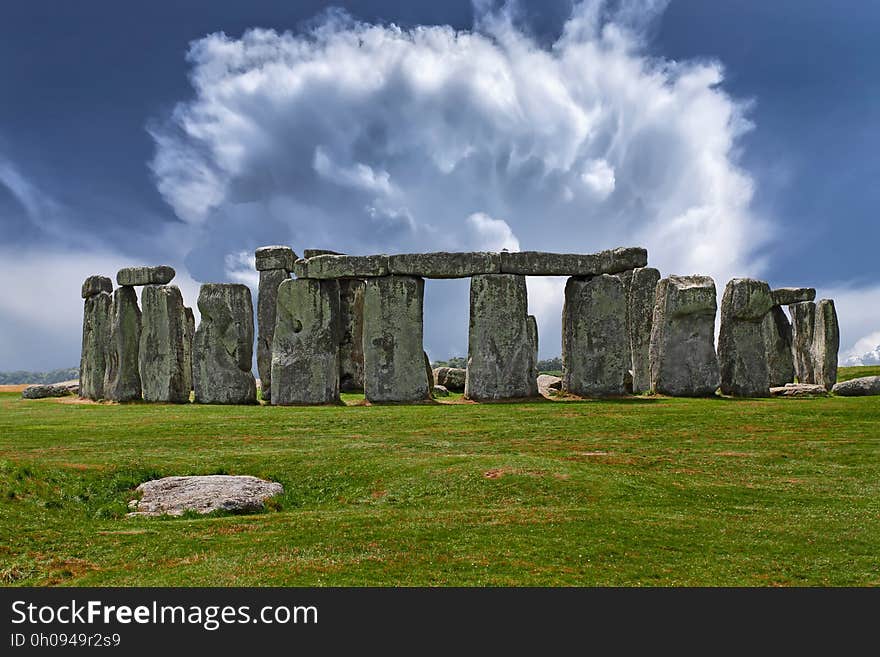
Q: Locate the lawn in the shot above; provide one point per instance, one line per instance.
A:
(644, 491)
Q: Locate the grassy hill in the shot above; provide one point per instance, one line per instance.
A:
(644, 491)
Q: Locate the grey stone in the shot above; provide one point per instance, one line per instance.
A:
(536, 263)
(548, 385)
(640, 306)
(500, 349)
(351, 336)
(160, 275)
(174, 496)
(188, 342)
(305, 351)
(267, 258)
(785, 296)
(682, 352)
(95, 285)
(44, 390)
(826, 342)
(777, 343)
(223, 346)
(532, 327)
(742, 354)
(122, 381)
(595, 347)
(803, 320)
(166, 374)
(625, 278)
(342, 266)
(798, 390)
(97, 313)
(311, 253)
(429, 374)
(440, 391)
(445, 265)
(267, 299)
(394, 358)
(860, 387)
(450, 377)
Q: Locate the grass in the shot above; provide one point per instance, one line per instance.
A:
(847, 373)
(643, 491)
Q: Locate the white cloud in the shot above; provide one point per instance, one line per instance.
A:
(492, 234)
(241, 267)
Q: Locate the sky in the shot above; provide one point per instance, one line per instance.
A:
(730, 139)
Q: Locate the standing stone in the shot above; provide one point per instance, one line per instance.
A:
(267, 299)
(532, 326)
(223, 346)
(640, 304)
(351, 341)
(394, 365)
(826, 342)
(122, 381)
(162, 359)
(500, 347)
(682, 352)
(803, 319)
(97, 313)
(777, 342)
(305, 350)
(188, 344)
(595, 346)
(95, 285)
(742, 355)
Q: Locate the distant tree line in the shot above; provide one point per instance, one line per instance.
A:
(547, 365)
(15, 378)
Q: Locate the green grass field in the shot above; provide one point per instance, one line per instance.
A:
(645, 491)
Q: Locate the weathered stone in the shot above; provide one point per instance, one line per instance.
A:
(532, 327)
(777, 343)
(267, 258)
(394, 366)
(351, 336)
(267, 300)
(165, 374)
(305, 351)
(826, 342)
(450, 377)
(682, 352)
(595, 347)
(860, 387)
(785, 296)
(160, 275)
(97, 312)
(536, 263)
(95, 285)
(803, 320)
(188, 343)
(223, 346)
(429, 374)
(440, 391)
(548, 385)
(342, 266)
(311, 253)
(798, 390)
(742, 355)
(445, 265)
(500, 349)
(44, 390)
(174, 496)
(640, 305)
(625, 278)
(122, 381)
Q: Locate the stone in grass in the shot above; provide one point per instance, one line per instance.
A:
(41, 391)
(174, 496)
(440, 391)
(860, 387)
(798, 390)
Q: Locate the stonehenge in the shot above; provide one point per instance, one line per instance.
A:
(742, 355)
(640, 312)
(122, 380)
(803, 320)
(826, 342)
(97, 308)
(164, 357)
(777, 343)
(275, 264)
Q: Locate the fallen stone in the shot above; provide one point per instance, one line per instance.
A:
(444, 265)
(351, 336)
(803, 319)
(163, 366)
(267, 258)
(682, 352)
(267, 300)
(72, 386)
(860, 387)
(305, 351)
(97, 319)
(595, 347)
(742, 355)
(394, 357)
(160, 275)
(785, 296)
(537, 263)
(44, 390)
(777, 343)
(223, 346)
(122, 380)
(798, 390)
(450, 377)
(95, 285)
(440, 391)
(640, 306)
(548, 384)
(174, 496)
(500, 347)
(826, 343)
(342, 266)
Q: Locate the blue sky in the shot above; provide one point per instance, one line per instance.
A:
(735, 138)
